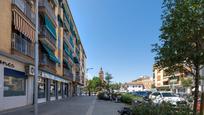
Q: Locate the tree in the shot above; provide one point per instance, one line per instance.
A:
(97, 84)
(182, 39)
(108, 78)
(186, 82)
(89, 87)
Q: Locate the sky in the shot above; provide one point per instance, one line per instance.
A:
(117, 35)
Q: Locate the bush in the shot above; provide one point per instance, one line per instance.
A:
(103, 96)
(162, 109)
(128, 98)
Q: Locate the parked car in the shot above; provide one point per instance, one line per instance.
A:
(159, 97)
(144, 94)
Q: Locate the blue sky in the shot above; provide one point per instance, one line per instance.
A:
(117, 35)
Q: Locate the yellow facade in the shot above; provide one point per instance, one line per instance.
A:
(5, 26)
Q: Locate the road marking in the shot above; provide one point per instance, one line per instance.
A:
(91, 108)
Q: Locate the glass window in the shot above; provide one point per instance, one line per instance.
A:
(52, 88)
(59, 88)
(41, 88)
(14, 86)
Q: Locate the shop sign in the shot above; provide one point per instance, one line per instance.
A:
(6, 63)
(50, 76)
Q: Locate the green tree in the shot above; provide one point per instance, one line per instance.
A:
(108, 79)
(89, 87)
(186, 82)
(182, 39)
(97, 84)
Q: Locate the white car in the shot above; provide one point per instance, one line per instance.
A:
(159, 97)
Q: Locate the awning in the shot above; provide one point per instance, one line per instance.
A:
(21, 24)
(49, 25)
(11, 72)
(51, 55)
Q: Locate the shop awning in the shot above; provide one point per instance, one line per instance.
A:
(49, 25)
(11, 72)
(51, 55)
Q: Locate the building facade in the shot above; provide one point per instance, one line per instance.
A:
(164, 81)
(62, 59)
(141, 84)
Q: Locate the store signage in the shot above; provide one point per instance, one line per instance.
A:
(53, 77)
(6, 63)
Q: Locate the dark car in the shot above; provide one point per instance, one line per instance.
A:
(144, 94)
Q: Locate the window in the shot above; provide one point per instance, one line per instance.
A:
(52, 88)
(41, 88)
(14, 86)
(22, 44)
(59, 88)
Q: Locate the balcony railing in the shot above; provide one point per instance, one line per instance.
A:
(46, 63)
(77, 77)
(47, 6)
(22, 45)
(25, 8)
(68, 74)
(45, 34)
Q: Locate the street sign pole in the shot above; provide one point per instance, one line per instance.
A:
(36, 62)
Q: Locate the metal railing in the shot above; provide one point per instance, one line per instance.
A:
(25, 8)
(68, 73)
(22, 45)
(45, 33)
(51, 12)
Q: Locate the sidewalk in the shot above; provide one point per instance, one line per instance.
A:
(60, 107)
(83, 105)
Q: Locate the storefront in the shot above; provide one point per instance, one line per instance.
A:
(14, 84)
(51, 87)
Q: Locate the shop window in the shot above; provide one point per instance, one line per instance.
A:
(52, 88)
(14, 86)
(59, 88)
(41, 88)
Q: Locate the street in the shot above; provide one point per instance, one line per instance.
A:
(83, 105)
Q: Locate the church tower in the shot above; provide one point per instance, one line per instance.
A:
(101, 75)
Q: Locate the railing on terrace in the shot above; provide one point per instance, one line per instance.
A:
(46, 63)
(46, 34)
(22, 45)
(51, 12)
(25, 8)
(68, 73)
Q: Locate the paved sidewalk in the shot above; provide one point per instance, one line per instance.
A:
(83, 105)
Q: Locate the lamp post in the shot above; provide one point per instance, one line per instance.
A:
(36, 62)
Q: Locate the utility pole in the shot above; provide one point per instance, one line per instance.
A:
(36, 62)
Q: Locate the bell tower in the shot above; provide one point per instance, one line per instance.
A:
(101, 75)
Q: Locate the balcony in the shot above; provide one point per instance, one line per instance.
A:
(68, 74)
(77, 77)
(26, 9)
(22, 45)
(46, 37)
(45, 6)
(46, 63)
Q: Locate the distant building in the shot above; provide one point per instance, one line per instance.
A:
(163, 81)
(140, 84)
(101, 75)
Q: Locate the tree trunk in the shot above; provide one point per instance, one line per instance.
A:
(196, 91)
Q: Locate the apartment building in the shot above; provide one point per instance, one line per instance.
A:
(62, 59)
(164, 81)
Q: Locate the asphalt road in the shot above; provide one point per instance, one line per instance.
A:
(83, 105)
